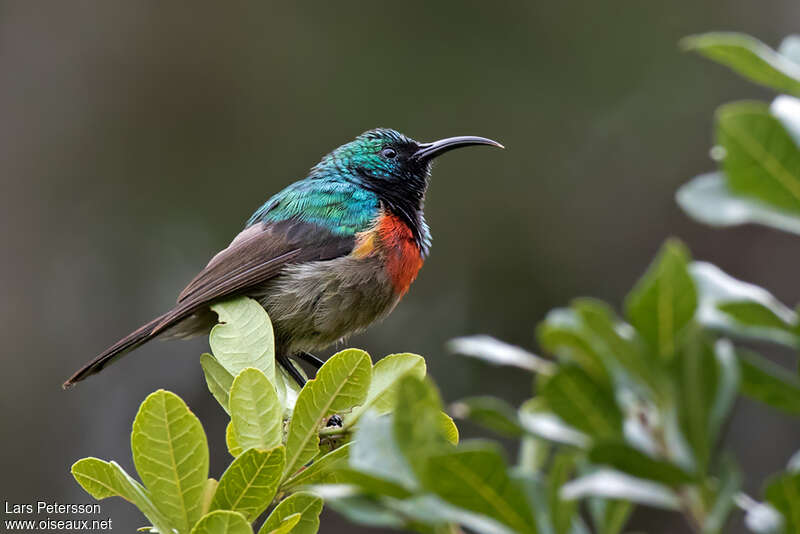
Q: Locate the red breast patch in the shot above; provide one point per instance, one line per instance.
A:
(403, 259)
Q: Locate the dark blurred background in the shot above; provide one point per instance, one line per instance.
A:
(137, 137)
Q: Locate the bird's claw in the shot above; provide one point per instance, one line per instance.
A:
(334, 420)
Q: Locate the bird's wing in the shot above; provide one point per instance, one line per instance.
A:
(257, 254)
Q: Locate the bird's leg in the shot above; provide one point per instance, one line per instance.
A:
(310, 359)
(287, 364)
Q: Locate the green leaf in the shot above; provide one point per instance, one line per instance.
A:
(787, 110)
(341, 383)
(256, 412)
(418, 429)
(708, 382)
(287, 524)
(763, 518)
(307, 505)
(244, 337)
(564, 333)
(374, 451)
(448, 428)
(218, 378)
(230, 440)
(664, 300)
(769, 383)
(103, 479)
(322, 470)
(696, 386)
(727, 386)
(749, 57)
(500, 353)
(783, 492)
(609, 516)
(610, 484)
(537, 420)
(636, 463)
(728, 485)
(249, 483)
(170, 452)
(422, 513)
(755, 315)
(475, 478)
(614, 342)
(386, 375)
(365, 510)
(790, 48)
(222, 522)
(432, 511)
(489, 412)
(537, 493)
(574, 397)
(371, 484)
(97, 478)
(761, 159)
(533, 453)
(761, 183)
(562, 511)
(208, 495)
(741, 309)
(709, 200)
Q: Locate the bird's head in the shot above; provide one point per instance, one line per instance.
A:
(389, 163)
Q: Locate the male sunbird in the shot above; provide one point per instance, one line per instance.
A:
(326, 257)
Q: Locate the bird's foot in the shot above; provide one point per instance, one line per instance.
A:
(334, 420)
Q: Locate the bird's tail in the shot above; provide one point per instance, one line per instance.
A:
(135, 339)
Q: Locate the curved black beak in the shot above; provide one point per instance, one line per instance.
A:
(428, 151)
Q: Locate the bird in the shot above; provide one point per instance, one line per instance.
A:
(326, 257)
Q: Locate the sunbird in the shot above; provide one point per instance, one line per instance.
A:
(326, 257)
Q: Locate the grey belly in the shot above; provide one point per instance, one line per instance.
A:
(317, 304)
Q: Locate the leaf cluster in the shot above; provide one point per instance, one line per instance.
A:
(277, 436)
(632, 407)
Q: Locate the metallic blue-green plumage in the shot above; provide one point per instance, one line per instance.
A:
(342, 193)
(337, 205)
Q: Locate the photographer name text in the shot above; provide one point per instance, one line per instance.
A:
(44, 507)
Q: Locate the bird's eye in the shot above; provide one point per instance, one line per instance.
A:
(389, 153)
